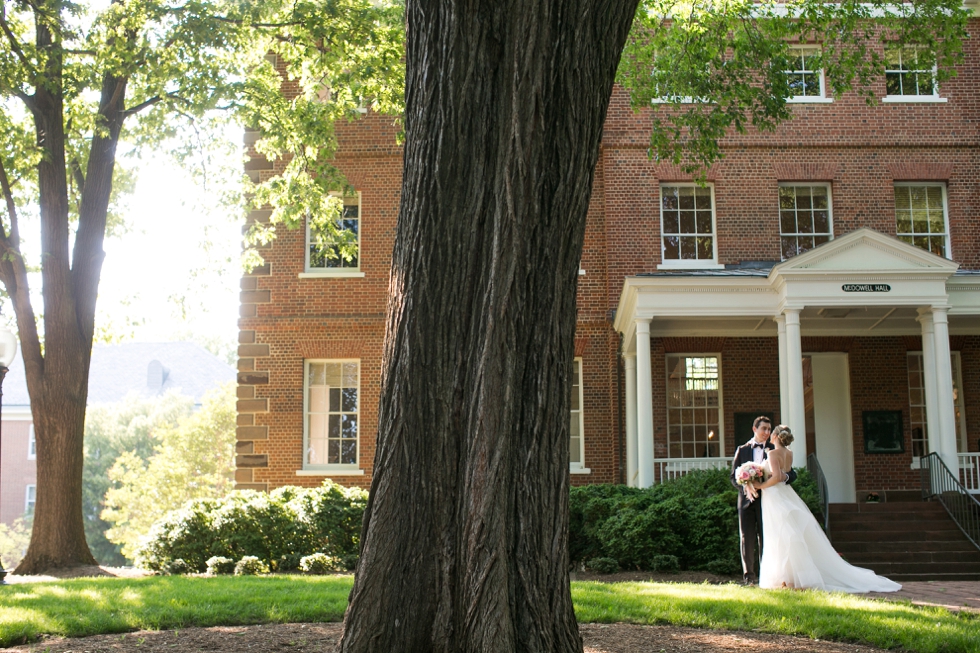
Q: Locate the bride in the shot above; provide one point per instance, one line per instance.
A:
(796, 552)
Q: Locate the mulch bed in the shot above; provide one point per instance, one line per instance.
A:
(323, 638)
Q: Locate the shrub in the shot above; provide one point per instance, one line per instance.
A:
(218, 565)
(319, 563)
(349, 561)
(177, 567)
(723, 567)
(250, 566)
(602, 565)
(278, 528)
(667, 563)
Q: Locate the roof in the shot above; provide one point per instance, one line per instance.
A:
(145, 368)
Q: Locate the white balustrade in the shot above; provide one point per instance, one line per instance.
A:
(970, 472)
(666, 469)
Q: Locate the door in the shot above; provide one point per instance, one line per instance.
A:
(833, 440)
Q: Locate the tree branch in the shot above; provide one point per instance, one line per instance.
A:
(78, 175)
(14, 45)
(13, 237)
(149, 103)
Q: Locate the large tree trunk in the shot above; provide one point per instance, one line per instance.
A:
(57, 379)
(464, 544)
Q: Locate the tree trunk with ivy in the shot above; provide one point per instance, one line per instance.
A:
(464, 542)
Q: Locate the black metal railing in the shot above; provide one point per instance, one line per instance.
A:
(939, 483)
(813, 465)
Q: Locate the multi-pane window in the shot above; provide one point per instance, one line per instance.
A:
(908, 71)
(576, 450)
(336, 248)
(917, 403)
(687, 223)
(331, 412)
(805, 78)
(31, 443)
(920, 216)
(30, 499)
(693, 406)
(804, 218)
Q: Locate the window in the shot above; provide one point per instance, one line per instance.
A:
(804, 218)
(324, 253)
(909, 73)
(920, 216)
(693, 406)
(576, 449)
(917, 403)
(331, 398)
(31, 443)
(804, 78)
(30, 499)
(687, 225)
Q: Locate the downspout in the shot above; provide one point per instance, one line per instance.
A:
(621, 440)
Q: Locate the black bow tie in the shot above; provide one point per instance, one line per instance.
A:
(758, 444)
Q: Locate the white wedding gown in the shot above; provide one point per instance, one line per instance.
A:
(797, 553)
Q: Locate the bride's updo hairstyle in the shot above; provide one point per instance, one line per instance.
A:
(784, 434)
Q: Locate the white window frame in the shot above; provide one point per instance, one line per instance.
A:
(830, 212)
(942, 186)
(689, 264)
(327, 469)
(933, 97)
(31, 443)
(579, 467)
(809, 99)
(352, 272)
(721, 399)
(30, 498)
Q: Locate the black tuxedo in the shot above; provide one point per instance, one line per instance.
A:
(750, 512)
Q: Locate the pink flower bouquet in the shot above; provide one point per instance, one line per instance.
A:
(749, 473)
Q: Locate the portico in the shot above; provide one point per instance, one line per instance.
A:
(861, 285)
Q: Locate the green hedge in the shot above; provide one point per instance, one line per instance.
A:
(279, 528)
(692, 518)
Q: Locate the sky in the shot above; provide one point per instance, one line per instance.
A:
(174, 274)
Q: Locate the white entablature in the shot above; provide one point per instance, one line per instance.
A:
(863, 283)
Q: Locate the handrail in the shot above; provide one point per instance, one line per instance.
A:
(813, 465)
(940, 483)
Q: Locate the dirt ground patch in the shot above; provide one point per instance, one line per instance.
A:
(323, 638)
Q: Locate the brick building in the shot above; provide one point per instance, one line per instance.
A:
(828, 274)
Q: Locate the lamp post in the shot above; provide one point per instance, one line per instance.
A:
(8, 349)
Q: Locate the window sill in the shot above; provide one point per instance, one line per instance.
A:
(579, 470)
(694, 265)
(328, 274)
(913, 99)
(341, 470)
(809, 100)
(581, 272)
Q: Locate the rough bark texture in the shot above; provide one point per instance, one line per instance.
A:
(464, 545)
(57, 379)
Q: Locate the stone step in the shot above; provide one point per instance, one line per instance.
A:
(933, 568)
(847, 520)
(921, 507)
(864, 558)
(932, 546)
(905, 578)
(907, 535)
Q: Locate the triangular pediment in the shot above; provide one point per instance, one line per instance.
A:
(865, 250)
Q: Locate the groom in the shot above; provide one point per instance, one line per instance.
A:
(750, 512)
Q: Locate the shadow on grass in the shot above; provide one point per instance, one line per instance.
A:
(813, 614)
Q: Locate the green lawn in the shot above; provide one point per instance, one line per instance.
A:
(111, 605)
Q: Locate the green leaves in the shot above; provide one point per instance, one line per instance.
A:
(710, 68)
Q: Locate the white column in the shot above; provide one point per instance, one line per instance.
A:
(783, 377)
(644, 402)
(929, 382)
(946, 419)
(794, 377)
(630, 362)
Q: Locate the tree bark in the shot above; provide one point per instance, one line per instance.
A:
(57, 379)
(464, 543)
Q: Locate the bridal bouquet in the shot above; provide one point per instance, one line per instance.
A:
(749, 473)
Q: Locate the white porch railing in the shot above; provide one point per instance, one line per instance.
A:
(970, 472)
(665, 469)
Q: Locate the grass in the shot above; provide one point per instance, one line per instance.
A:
(79, 607)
